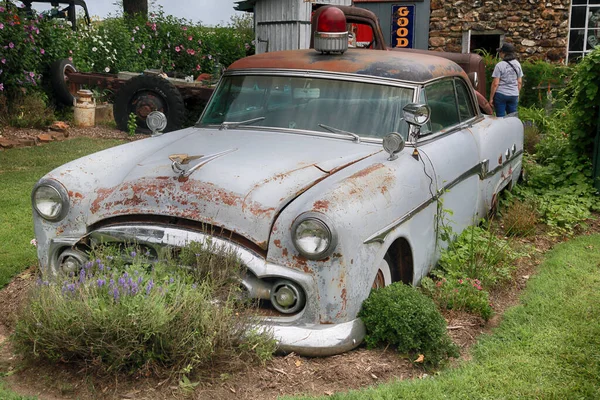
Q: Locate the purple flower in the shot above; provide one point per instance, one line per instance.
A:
(116, 294)
(1, 25)
(42, 51)
(101, 282)
(133, 253)
(11, 45)
(149, 286)
(82, 275)
(171, 280)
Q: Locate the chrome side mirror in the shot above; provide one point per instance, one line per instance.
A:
(416, 115)
(156, 122)
(393, 144)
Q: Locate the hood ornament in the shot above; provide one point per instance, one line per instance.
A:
(179, 161)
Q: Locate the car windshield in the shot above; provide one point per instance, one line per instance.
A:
(313, 104)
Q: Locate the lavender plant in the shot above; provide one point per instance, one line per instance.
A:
(127, 313)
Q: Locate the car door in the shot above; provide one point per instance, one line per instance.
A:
(448, 144)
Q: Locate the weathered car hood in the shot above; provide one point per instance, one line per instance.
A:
(243, 180)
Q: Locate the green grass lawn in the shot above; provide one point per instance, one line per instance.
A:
(20, 169)
(546, 348)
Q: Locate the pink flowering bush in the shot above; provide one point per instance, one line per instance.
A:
(172, 44)
(20, 51)
(29, 44)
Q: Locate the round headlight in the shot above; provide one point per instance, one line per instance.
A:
(50, 200)
(312, 236)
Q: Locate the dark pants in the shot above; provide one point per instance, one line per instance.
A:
(505, 104)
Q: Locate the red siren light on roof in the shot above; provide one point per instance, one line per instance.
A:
(331, 35)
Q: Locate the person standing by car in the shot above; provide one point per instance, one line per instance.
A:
(507, 81)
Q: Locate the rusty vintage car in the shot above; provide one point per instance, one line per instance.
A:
(328, 171)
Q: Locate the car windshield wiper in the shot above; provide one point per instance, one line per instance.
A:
(336, 130)
(227, 125)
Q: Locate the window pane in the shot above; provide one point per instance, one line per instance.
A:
(579, 2)
(576, 40)
(593, 39)
(465, 106)
(441, 99)
(578, 17)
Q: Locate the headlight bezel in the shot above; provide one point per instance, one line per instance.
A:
(62, 193)
(328, 228)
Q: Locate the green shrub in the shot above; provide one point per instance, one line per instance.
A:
(458, 294)
(27, 110)
(542, 84)
(478, 254)
(520, 218)
(125, 313)
(401, 316)
(531, 138)
(585, 103)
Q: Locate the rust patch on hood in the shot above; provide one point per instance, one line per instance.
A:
(321, 205)
(366, 171)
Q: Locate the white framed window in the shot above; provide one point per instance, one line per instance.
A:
(584, 28)
(488, 41)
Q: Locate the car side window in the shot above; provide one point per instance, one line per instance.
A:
(465, 105)
(442, 100)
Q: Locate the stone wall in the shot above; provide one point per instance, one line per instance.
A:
(538, 29)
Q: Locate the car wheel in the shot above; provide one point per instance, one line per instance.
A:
(384, 274)
(146, 93)
(64, 91)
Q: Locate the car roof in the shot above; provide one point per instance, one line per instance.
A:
(405, 66)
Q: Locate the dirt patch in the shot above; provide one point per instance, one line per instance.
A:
(16, 137)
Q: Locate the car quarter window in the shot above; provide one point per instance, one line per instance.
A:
(465, 105)
(441, 98)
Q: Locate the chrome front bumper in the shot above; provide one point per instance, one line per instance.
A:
(300, 333)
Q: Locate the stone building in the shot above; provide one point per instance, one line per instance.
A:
(554, 30)
(538, 29)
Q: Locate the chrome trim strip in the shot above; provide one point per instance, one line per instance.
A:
(480, 169)
(343, 76)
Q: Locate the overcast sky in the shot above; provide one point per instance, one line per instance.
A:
(208, 12)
